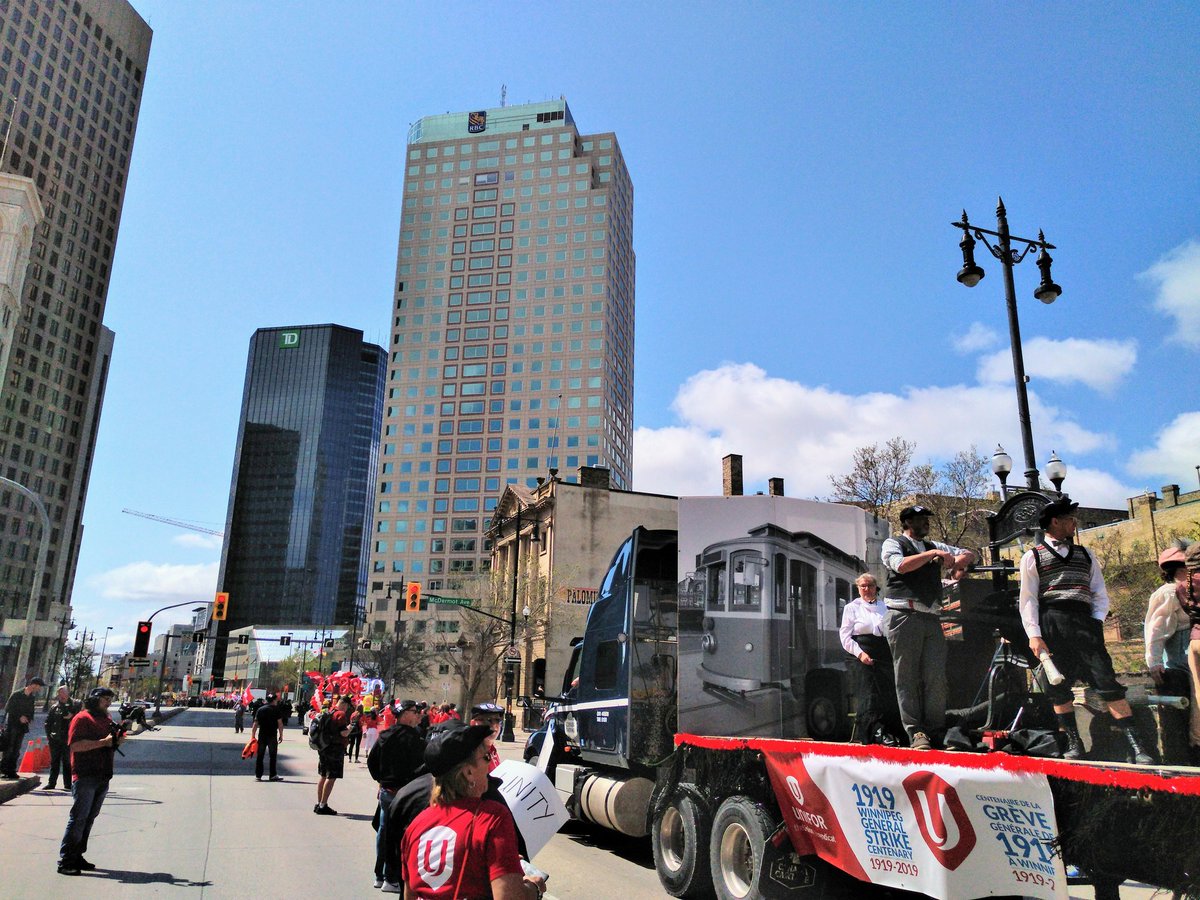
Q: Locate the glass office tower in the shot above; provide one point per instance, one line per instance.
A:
(295, 552)
(71, 79)
(512, 332)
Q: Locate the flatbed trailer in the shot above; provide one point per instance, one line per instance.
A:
(706, 670)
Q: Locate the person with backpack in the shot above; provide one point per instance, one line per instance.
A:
(393, 762)
(329, 733)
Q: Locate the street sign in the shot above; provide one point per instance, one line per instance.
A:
(285, 641)
(512, 659)
(139, 662)
(449, 601)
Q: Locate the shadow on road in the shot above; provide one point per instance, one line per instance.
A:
(147, 878)
(634, 850)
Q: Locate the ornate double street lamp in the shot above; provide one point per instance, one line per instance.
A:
(1047, 291)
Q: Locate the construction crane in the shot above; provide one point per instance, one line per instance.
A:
(176, 522)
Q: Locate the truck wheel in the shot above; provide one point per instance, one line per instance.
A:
(679, 839)
(741, 829)
(825, 710)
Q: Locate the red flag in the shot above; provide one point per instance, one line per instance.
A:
(317, 699)
(387, 719)
(247, 697)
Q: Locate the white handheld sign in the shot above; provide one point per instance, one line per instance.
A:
(533, 802)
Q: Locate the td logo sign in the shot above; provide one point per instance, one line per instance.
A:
(289, 339)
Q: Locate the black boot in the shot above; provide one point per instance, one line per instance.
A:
(1074, 748)
(1140, 755)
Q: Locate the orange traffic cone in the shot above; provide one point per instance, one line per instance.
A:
(37, 756)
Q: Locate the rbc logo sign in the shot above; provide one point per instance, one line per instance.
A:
(289, 339)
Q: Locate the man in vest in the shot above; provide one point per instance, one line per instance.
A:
(913, 626)
(1063, 604)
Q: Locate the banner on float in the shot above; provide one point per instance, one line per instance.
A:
(534, 803)
(945, 831)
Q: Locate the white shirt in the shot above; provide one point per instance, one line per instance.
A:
(1164, 617)
(860, 617)
(1028, 602)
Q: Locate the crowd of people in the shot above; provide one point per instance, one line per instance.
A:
(899, 644)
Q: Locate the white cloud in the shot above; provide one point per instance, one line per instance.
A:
(1176, 276)
(147, 582)
(199, 541)
(805, 434)
(1175, 453)
(1098, 364)
(978, 337)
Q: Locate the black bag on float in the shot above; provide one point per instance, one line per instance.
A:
(1034, 742)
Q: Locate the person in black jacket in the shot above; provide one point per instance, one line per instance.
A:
(58, 726)
(393, 762)
(18, 714)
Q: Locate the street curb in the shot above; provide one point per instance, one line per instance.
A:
(10, 789)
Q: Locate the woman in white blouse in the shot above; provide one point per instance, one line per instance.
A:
(877, 720)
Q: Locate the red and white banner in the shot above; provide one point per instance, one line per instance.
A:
(946, 831)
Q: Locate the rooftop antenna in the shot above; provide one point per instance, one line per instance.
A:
(554, 441)
(503, 94)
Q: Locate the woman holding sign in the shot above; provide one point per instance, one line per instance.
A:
(463, 845)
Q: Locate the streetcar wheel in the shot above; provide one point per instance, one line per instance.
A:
(741, 829)
(679, 839)
(826, 710)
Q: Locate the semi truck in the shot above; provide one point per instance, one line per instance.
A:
(711, 654)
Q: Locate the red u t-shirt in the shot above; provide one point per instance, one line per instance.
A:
(474, 839)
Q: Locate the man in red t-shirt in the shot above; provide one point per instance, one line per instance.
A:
(92, 739)
(491, 715)
(331, 760)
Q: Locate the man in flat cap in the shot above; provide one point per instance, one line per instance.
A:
(913, 625)
(1063, 603)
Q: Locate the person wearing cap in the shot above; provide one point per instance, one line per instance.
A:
(492, 716)
(464, 844)
(18, 714)
(1063, 603)
(331, 761)
(93, 739)
(268, 730)
(393, 762)
(58, 726)
(913, 626)
(1166, 628)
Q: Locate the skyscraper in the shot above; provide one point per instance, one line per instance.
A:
(512, 331)
(296, 537)
(71, 74)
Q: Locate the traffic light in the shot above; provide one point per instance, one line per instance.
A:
(198, 637)
(220, 607)
(412, 596)
(141, 640)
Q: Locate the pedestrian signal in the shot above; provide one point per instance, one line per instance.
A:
(141, 640)
(412, 596)
(220, 607)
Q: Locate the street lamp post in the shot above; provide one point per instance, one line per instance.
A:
(1047, 292)
(26, 651)
(103, 647)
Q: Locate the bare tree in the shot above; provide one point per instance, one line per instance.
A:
(402, 660)
(879, 477)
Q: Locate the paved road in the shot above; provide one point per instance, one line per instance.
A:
(185, 816)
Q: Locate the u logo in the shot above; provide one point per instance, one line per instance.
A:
(435, 856)
(950, 838)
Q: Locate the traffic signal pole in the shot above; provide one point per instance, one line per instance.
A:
(162, 666)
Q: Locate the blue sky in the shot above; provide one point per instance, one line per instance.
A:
(796, 168)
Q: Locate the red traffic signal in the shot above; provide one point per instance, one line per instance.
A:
(412, 597)
(141, 640)
(220, 607)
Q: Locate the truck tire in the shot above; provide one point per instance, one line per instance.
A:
(741, 829)
(679, 839)
(825, 709)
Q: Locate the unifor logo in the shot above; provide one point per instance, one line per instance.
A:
(794, 787)
(941, 817)
(435, 856)
(288, 339)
